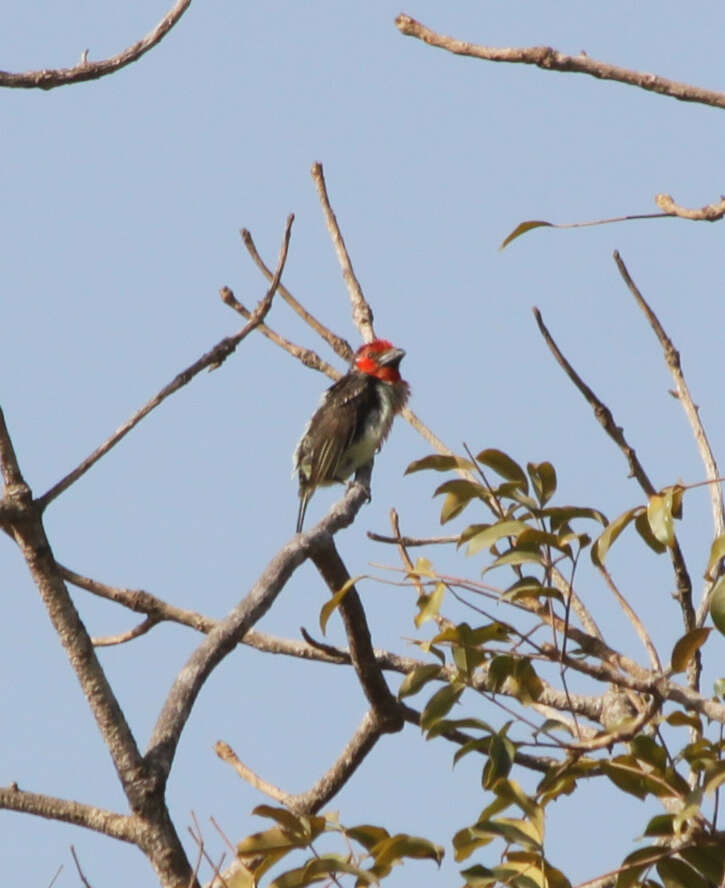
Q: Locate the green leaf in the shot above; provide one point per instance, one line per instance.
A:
(478, 876)
(459, 494)
(543, 477)
(647, 750)
(320, 868)
(522, 228)
(678, 718)
(516, 556)
(644, 529)
(501, 752)
(717, 553)
(717, 605)
(715, 777)
(270, 840)
(367, 835)
(429, 605)
(561, 514)
(627, 775)
(440, 463)
(416, 679)
(677, 874)
(490, 535)
(613, 530)
(660, 825)
(708, 859)
(686, 648)
(439, 705)
(391, 851)
(659, 515)
(503, 465)
(520, 832)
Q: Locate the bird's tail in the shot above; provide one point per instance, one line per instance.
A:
(304, 499)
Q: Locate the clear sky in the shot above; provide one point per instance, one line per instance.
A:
(122, 200)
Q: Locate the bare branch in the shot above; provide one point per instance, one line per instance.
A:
(122, 637)
(340, 346)
(551, 60)
(327, 560)
(606, 420)
(637, 624)
(709, 213)
(672, 359)
(226, 634)
(362, 314)
(212, 359)
(85, 70)
(125, 827)
(310, 802)
(86, 883)
(305, 355)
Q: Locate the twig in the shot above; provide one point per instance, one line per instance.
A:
(340, 346)
(637, 624)
(123, 637)
(362, 741)
(85, 70)
(606, 420)
(672, 359)
(55, 877)
(362, 314)
(305, 355)
(550, 60)
(219, 353)
(83, 879)
(412, 541)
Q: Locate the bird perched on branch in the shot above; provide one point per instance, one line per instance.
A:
(352, 421)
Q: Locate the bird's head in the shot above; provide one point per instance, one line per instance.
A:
(380, 359)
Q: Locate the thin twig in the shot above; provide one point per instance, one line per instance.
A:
(83, 879)
(340, 346)
(85, 70)
(122, 637)
(412, 542)
(213, 358)
(550, 60)
(606, 420)
(363, 740)
(672, 359)
(362, 314)
(637, 624)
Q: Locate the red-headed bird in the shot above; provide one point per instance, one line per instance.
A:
(352, 421)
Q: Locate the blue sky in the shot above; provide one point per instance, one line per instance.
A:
(122, 201)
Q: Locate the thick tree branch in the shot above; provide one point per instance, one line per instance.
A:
(226, 634)
(125, 827)
(212, 359)
(551, 60)
(85, 70)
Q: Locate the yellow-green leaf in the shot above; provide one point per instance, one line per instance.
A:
(416, 679)
(490, 535)
(659, 516)
(610, 534)
(717, 553)
(522, 228)
(543, 477)
(429, 605)
(330, 606)
(686, 647)
(717, 605)
(502, 463)
(440, 463)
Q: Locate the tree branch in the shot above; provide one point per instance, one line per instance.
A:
(362, 314)
(331, 782)
(85, 70)
(551, 60)
(125, 827)
(226, 634)
(212, 359)
(606, 420)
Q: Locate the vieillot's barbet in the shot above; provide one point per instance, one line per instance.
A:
(352, 421)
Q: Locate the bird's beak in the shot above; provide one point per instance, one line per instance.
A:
(391, 356)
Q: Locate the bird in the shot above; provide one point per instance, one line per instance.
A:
(352, 421)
